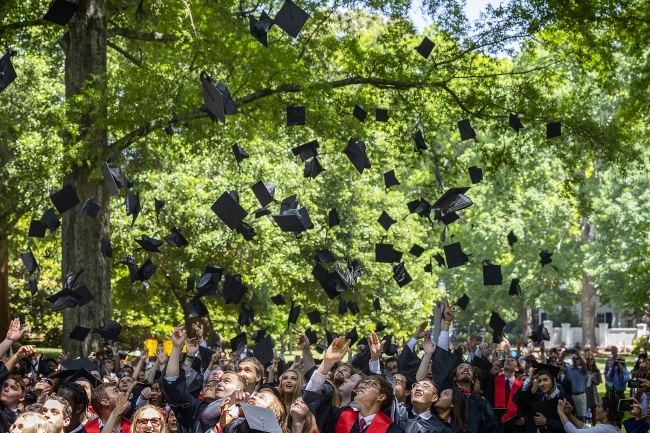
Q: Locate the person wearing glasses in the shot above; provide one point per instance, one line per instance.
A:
(594, 378)
(577, 374)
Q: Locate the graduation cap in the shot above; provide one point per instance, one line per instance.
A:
(333, 218)
(264, 191)
(233, 289)
(263, 211)
(133, 206)
(343, 307)
(359, 112)
(246, 230)
(85, 293)
(311, 336)
(149, 244)
(497, 324)
(389, 347)
(112, 179)
(64, 299)
(356, 153)
(246, 316)
(330, 336)
(260, 28)
(419, 207)
(33, 286)
(36, 229)
(145, 271)
(553, 130)
(491, 274)
(196, 308)
(475, 174)
(208, 283)
(278, 300)
(79, 333)
(390, 179)
(294, 312)
(191, 284)
(238, 342)
(551, 370)
(515, 288)
(84, 374)
(307, 150)
(512, 238)
(49, 220)
(213, 98)
(176, 238)
(258, 335)
(64, 199)
(331, 282)
(260, 419)
(296, 221)
(515, 123)
(379, 326)
(240, 153)
(291, 18)
(466, 130)
(425, 48)
(381, 114)
(263, 351)
(419, 141)
(386, 221)
(352, 335)
(376, 304)
(545, 257)
(110, 331)
(60, 12)
(416, 250)
(401, 275)
(324, 256)
(386, 253)
(353, 307)
(440, 260)
(7, 71)
(29, 261)
(314, 317)
(228, 209)
(463, 301)
(295, 115)
(91, 208)
(540, 335)
(455, 255)
(158, 205)
(452, 200)
(313, 168)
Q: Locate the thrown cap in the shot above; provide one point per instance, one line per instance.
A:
(60, 12)
(390, 179)
(278, 300)
(314, 317)
(419, 141)
(381, 114)
(228, 209)
(295, 115)
(463, 301)
(64, 199)
(260, 28)
(264, 192)
(553, 130)
(7, 71)
(491, 274)
(512, 238)
(386, 221)
(176, 238)
(333, 218)
(455, 255)
(466, 130)
(515, 288)
(356, 153)
(425, 47)
(475, 174)
(91, 208)
(291, 18)
(401, 275)
(514, 122)
(263, 351)
(213, 98)
(79, 333)
(240, 153)
(294, 312)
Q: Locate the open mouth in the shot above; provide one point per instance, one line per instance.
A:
(418, 394)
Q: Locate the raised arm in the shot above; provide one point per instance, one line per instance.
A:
(429, 349)
(307, 357)
(178, 338)
(144, 357)
(121, 406)
(14, 334)
(335, 353)
(21, 353)
(449, 315)
(192, 346)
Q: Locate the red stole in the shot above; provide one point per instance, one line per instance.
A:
(380, 423)
(500, 395)
(92, 426)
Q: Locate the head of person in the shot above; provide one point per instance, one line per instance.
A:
(254, 372)
(576, 360)
(265, 397)
(391, 365)
(156, 397)
(230, 382)
(341, 373)
(87, 386)
(109, 364)
(148, 419)
(104, 398)
(453, 401)
(403, 384)
(614, 351)
(57, 412)
(291, 383)
(607, 411)
(29, 422)
(642, 351)
(374, 394)
(124, 383)
(215, 374)
(424, 393)
(522, 366)
(13, 392)
(172, 423)
(142, 375)
(546, 381)
(299, 411)
(496, 368)
(464, 373)
(77, 398)
(350, 384)
(510, 365)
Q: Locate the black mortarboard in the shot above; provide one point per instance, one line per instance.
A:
(112, 179)
(29, 261)
(389, 346)
(359, 113)
(233, 289)
(452, 200)
(289, 203)
(158, 205)
(512, 238)
(540, 335)
(240, 153)
(455, 255)
(307, 150)
(352, 335)
(401, 275)
(313, 168)
(440, 260)
(290, 221)
(295, 115)
(419, 141)
(145, 271)
(196, 308)
(416, 250)
(278, 300)
(191, 284)
(332, 283)
(356, 153)
(497, 324)
(260, 419)
(376, 304)
(149, 244)
(85, 375)
(36, 229)
(246, 230)
(428, 267)
(133, 206)
(291, 18)
(333, 218)
(64, 199)
(385, 220)
(379, 326)
(7, 71)
(330, 336)
(515, 288)
(91, 208)
(449, 218)
(491, 274)
(208, 283)
(110, 331)
(60, 12)
(50, 220)
(64, 299)
(390, 179)
(294, 312)
(545, 257)
(466, 130)
(176, 238)
(420, 207)
(552, 370)
(343, 307)
(475, 174)
(553, 130)
(463, 301)
(213, 98)
(263, 351)
(85, 293)
(384, 253)
(129, 182)
(263, 211)
(324, 256)
(425, 47)
(381, 114)
(246, 316)
(514, 122)
(264, 191)
(33, 286)
(229, 210)
(258, 335)
(314, 317)
(238, 342)
(353, 307)
(311, 336)
(260, 28)
(79, 333)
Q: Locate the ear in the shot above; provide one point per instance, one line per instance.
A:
(382, 397)
(408, 392)
(66, 421)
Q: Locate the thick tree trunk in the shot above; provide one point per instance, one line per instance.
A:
(5, 308)
(85, 66)
(588, 297)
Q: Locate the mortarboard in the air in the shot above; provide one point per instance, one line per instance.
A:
(330, 336)
(389, 347)
(213, 98)
(33, 286)
(112, 179)
(448, 218)
(314, 317)
(295, 115)
(452, 200)
(29, 261)
(440, 260)
(515, 288)
(291, 18)
(545, 257)
(258, 335)
(311, 336)
(376, 304)
(145, 271)
(381, 114)
(133, 206)
(79, 333)
(260, 419)
(353, 308)
(553, 130)
(331, 282)
(352, 335)
(549, 369)
(290, 221)
(540, 335)
(313, 168)
(307, 150)
(475, 174)
(233, 289)
(64, 299)
(246, 316)
(428, 267)
(260, 28)
(343, 307)
(385, 220)
(466, 130)
(110, 331)
(333, 218)
(491, 274)
(191, 284)
(169, 129)
(385, 253)
(228, 209)
(419, 141)
(379, 326)
(324, 256)
(514, 122)
(455, 255)
(85, 293)
(390, 179)
(239, 152)
(7, 71)
(425, 47)
(512, 238)
(356, 153)
(463, 301)
(149, 244)
(294, 312)
(208, 283)
(320, 348)
(36, 229)
(176, 238)
(158, 205)
(416, 250)
(91, 208)
(264, 192)
(129, 182)
(497, 324)
(263, 351)
(359, 113)
(263, 211)
(196, 308)
(238, 342)
(401, 275)
(60, 12)
(246, 230)
(278, 300)
(64, 199)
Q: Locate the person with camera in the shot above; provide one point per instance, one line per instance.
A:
(606, 414)
(618, 376)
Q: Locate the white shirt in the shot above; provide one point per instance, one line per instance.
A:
(368, 419)
(424, 415)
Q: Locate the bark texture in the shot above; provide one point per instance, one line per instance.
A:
(588, 297)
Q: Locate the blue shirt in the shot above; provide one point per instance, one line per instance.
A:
(578, 378)
(619, 378)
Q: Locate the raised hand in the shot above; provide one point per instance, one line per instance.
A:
(63, 357)
(144, 357)
(198, 330)
(303, 342)
(420, 331)
(25, 351)
(145, 394)
(472, 342)
(161, 355)
(122, 404)
(561, 406)
(337, 350)
(192, 345)
(376, 347)
(450, 312)
(15, 331)
(178, 336)
(427, 345)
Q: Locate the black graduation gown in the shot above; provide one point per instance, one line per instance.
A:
(525, 400)
(185, 406)
(480, 417)
(7, 416)
(420, 425)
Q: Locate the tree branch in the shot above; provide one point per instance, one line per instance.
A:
(120, 7)
(132, 34)
(135, 61)
(22, 25)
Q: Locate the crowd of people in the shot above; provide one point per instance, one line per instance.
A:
(424, 388)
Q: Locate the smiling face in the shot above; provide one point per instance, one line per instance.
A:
(289, 382)
(464, 373)
(424, 393)
(299, 410)
(149, 421)
(546, 383)
(171, 422)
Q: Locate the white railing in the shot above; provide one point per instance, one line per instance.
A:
(568, 336)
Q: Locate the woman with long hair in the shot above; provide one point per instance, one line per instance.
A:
(606, 414)
(300, 419)
(291, 383)
(594, 378)
(450, 409)
(265, 397)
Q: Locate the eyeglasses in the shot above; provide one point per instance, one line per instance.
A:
(48, 381)
(144, 421)
(425, 386)
(367, 384)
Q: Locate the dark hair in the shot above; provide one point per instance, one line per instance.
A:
(458, 411)
(610, 406)
(78, 392)
(410, 380)
(548, 373)
(386, 389)
(391, 359)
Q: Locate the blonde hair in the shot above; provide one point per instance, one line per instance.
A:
(138, 414)
(289, 398)
(31, 422)
(275, 405)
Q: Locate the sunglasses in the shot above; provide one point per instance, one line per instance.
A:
(48, 381)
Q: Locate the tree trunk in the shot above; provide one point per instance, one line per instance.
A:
(85, 73)
(588, 297)
(526, 324)
(5, 308)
